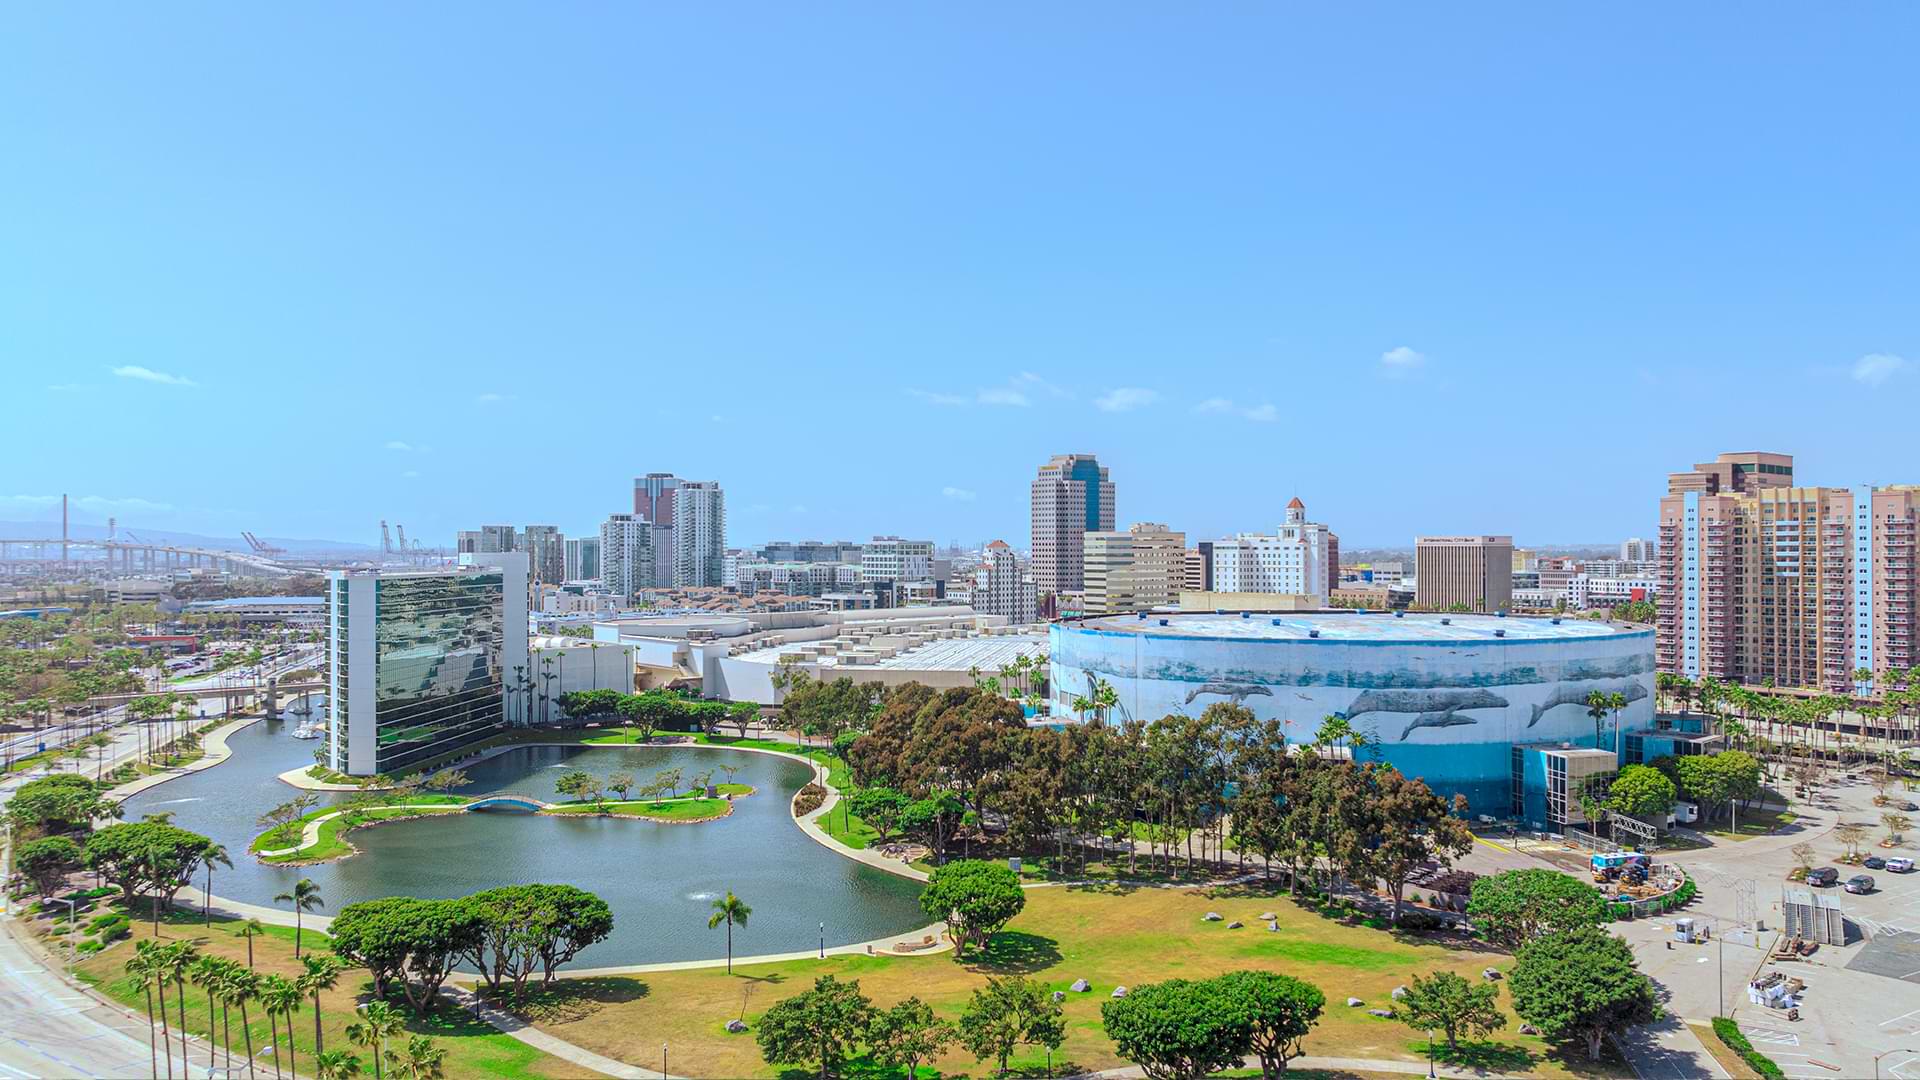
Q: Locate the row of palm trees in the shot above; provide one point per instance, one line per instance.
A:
(1022, 679)
(1785, 726)
(229, 985)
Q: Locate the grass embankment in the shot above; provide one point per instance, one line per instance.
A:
(474, 1049)
(330, 843)
(1756, 823)
(1109, 935)
(684, 808)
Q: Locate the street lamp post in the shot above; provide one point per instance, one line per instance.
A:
(663, 1061)
(1884, 1053)
(823, 941)
(1430, 1073)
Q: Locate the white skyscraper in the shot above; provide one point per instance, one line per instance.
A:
(1295, 559)
(699, 534)
(626, 554)
(1001, 587)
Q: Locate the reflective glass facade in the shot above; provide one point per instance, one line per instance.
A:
(439, 682)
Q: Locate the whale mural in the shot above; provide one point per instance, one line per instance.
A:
(1238, 692)
(1575, 693)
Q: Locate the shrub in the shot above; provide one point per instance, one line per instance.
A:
(809, 799)
(1735, 1040)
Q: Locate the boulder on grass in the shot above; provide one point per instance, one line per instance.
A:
(1399, 993)
(1080, 986)
(1235, 924)
(1384, 1014)
(736, 1026)
(1059, 995)
(1119, 991)
(1354, 1003)
(1490, 973)
(1529, 1029)
(1268, 916)
(1211, 916)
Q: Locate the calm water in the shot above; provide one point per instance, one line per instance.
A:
(658, 878)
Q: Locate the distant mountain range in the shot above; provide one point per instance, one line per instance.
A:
(37, 530)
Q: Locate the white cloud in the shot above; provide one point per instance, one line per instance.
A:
(1125, 399)
(938, 399)
(1263, 413)
(68, 387)
(958, 494)
(1003, 396)
(798, 508)
(1876, 368)
(410, 474)
(396, 444)
(1029, 379)
(135, 371)
(1399, 360)
(489, 398)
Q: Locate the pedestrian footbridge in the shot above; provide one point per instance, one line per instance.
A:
(508, 801)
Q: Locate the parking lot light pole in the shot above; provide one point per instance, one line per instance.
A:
(1884, 1053)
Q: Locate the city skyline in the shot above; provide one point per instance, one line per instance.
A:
(1424, 257)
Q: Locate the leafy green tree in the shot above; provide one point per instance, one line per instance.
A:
(733, 911)
(975, 898)
(378, 1022)
(1580, 984)
(336, 1065)
(1445, 1001)
(1007, 1012)
(1641, 791)
(1276, 1012)
(907, 1034)
(1177, 1029)
(578, 783)
(146, 858)
(528, 928)
(47, 861)
(62, 803)
(1516, 906)
(821, 1027)
(1407, 827)
(881, 807)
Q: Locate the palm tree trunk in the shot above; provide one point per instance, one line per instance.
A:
(180, 998)
(207, 900)
(273, 1040)
(166, 1034)
(246, 1029)
(296, 930)
(212, 1050)
(729, 945)
(318, 1045)
(153, 1050)
(293, 1056)
(226, 1033)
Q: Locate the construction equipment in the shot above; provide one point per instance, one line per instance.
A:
(259, 546)
(386, 539)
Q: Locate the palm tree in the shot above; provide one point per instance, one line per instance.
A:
(1615, 702)
(420, 1061)
(242, 986)
(280, 997)
(175, 961)
(323, 973)
(1105, 698)
(730, 910)
(215, 853)
(304, 897)
(379, 1021)
(144, 965)
(251, 929)
(1597, 708)
(206, 973)
(336, 1065)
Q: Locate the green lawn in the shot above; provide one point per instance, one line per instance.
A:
(1756, 823)
(474, 1049)
(657, 810)
(1114, 935)
(274, 839)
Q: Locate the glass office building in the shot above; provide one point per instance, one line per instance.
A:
(423, 664)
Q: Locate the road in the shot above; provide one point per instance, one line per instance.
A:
(48, 1027)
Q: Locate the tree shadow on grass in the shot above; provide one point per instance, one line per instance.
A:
(1501, 1059)
(1017, 952)
(568, 1000)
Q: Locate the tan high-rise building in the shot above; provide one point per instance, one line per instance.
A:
(1762, 581)
(1136, 570)
(1476, 571)
(1072, 496)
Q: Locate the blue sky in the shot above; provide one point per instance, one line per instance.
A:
(295, 269)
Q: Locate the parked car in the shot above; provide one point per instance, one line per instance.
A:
(1823, 876)
(1899, 864)
(1860, 883)
(1874, 862)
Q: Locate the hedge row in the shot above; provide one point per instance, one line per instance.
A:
(1730, 1034)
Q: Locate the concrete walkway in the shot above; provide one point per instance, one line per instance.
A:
(512, 1025)
(214, 750)
(1329, 1064)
